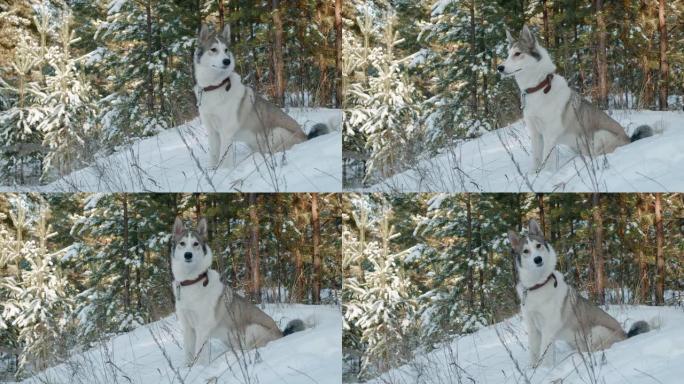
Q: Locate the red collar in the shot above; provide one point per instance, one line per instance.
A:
(546, 84)
(537, 286)
(213, 87)
(202, 276)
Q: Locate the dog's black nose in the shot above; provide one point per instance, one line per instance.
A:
(500, 68)
(188, 255)
(538, 260)
(226, 62)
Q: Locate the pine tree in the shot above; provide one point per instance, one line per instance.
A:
(382, 101)
(38, 304)
(68, 125)
(378, 295)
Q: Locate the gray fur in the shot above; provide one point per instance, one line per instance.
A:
(556, 311)
(293, 326)
(206, 37)
(319, 129)
(638, 328)
(643, 131)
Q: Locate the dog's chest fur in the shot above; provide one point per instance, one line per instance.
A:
(197, 303)
(220, 109)
(545, 304)
(544, 111)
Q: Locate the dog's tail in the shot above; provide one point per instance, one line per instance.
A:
(319, 129)
(641, 132)
(638, 328)
(293, 326)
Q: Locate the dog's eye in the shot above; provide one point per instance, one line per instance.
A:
(182, 243)
(516, 54)
(195, 244)
(214, 50)
(538, 246)
(526, 251)
(226, 50)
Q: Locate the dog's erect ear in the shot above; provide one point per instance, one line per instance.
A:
(510, 38)
(225, 34)
(535, 230)
(527, 38)
(202, 228)
(514, 239)
(204, 32)
(178, 229)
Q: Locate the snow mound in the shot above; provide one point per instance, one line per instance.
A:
(153, 354)
(500, 161)
(498, 354)
(175, 160)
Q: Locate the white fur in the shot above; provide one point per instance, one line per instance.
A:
(553, 310)
(195, 303)
(542, 112)
(541, 308)
(219, 109)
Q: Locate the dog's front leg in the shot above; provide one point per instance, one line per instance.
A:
(546, 347)
(214, 148)
(534, 340)
(537, 150)
(189, 344)
(202, 347)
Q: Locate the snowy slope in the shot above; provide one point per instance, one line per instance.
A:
(500, 161)
(311, 356)
(483, 357)
(175, 161)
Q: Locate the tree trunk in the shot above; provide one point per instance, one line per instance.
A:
(124, 253)
(545, 22)
(221, 13)
(664, 67)
(469, 234)
(338, 56)
(324, 81)
(254, 261)
(643, 264)
(601, 61)
(150, 73)
(542, 216)
(297, 290)
(660, 261)
(198, 206)
(278, 64)
(473, 52)
(278, 230)
(599, 261)
(316, 233)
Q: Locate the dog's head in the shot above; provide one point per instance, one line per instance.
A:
(535, 259)
(190, 254)
(525, 54)
(213, 51)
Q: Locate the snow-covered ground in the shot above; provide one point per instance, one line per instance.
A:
(500, 161)
(498, 354)
(153, 354)
(175, 160)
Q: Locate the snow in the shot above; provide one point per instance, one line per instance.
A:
(485, 163)
(175, 160)
(484, 357)
(312, 355)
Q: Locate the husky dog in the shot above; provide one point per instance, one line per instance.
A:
(555, 114)
(551, 309)
(231, 111)
(207, 308)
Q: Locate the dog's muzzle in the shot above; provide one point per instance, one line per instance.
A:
(188, 256)
(502, 71)
(226, 62)
(538, 260)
